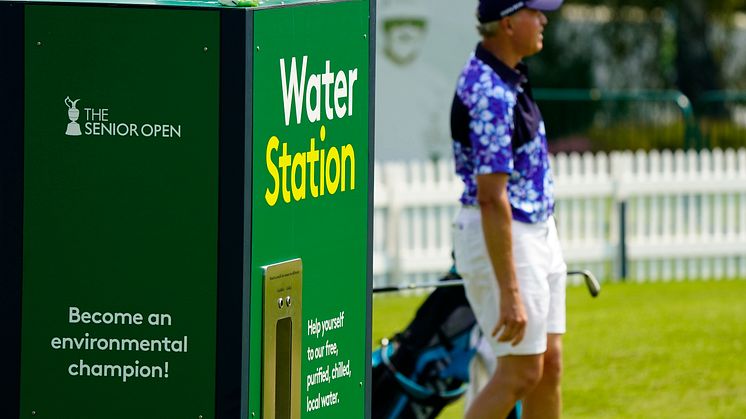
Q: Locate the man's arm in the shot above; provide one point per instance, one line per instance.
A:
(497, 217)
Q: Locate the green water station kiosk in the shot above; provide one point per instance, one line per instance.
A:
(186, 209)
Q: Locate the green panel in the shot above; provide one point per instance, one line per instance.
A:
(177, 3)
(122, 218)
(183, 3)
(329, 232)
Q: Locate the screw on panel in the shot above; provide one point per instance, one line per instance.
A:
(253, 414)
(365, 36)
(361, 384)
(33, 413)
(205, 49)
(257, 47)
(38, 43)
(200, 416)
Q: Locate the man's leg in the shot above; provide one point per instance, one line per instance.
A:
(515, 377)
(545, 400)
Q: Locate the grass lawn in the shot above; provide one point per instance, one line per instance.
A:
(655, 350)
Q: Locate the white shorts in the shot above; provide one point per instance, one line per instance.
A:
(540, 270)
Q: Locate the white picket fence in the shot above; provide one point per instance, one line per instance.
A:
(685, 215)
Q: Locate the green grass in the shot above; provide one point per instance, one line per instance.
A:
(656, 350)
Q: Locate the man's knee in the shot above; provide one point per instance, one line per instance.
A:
(552, 373)
(521, 379)
(527, 381)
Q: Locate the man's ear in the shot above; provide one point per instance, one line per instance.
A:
(507, 25)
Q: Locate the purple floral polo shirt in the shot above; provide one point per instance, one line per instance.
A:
(497, 128)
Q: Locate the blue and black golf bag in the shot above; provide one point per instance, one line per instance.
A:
(419, 371)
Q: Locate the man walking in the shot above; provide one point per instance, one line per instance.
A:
(506, 242)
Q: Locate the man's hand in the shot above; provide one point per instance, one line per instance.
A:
(512, 319)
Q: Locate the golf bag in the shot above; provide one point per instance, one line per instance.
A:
(424, 368)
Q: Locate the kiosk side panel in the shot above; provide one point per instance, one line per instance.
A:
(120, 212)
(311, 201)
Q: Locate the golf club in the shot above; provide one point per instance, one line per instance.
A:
(594, 287)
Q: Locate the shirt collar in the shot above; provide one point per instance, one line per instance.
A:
(515, 76)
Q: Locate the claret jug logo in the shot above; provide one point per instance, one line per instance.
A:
(317, 167)
(73, 128)
(98, 122)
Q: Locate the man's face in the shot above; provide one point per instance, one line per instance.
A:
(403, 39)
(528, 25)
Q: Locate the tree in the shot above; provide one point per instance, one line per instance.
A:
(695, 67)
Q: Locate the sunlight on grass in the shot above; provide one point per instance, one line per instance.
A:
(662, 350)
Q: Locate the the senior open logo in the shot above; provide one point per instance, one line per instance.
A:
(98, 121)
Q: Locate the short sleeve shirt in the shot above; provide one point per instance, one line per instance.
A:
(497, 128)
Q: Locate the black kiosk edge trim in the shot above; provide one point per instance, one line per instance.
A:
(12, 117)
(231, 356)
